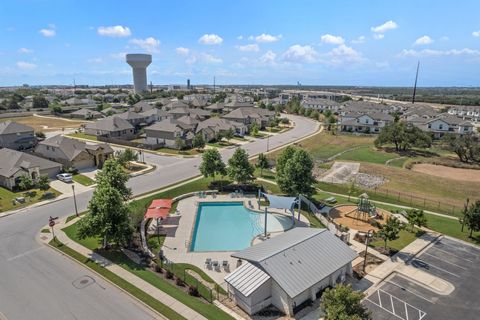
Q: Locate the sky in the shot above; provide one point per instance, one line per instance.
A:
(262, 42)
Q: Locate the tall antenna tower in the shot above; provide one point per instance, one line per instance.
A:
(415, 86)
(213, 84)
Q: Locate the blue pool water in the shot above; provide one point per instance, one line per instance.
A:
(229, 226)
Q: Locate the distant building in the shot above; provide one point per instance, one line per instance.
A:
(111, 127)
(16, 136)
(370, 122)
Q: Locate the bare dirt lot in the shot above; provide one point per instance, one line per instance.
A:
(448, 172)
(47, 123)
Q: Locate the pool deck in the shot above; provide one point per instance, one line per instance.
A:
(179, 229)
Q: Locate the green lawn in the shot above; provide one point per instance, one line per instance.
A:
(451, 228)
(82, 135)
(7, 197)
(83, 179)
(139, 294)
(398, 162)
(220, 144)
(367, 154)
(405, 238)
(178, 152)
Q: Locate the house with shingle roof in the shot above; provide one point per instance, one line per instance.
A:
(85, 113)
(370, 122)
(166, 132)
(210, 128)
(74, 153)
(16, 136)
(111, 127)
(15, 164)
(446, 123)
(250, 115)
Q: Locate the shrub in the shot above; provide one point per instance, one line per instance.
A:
(169, 274)
(193, 291)
(179, 282)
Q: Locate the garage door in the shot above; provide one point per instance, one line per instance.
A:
(82, 164)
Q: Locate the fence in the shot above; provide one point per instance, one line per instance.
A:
(128, 143)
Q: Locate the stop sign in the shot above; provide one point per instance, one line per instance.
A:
(51, 223)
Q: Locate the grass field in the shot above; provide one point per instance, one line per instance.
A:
(45, 124)
(405, 237)
(191, 152)
(367, 154)
(83, 179)
(7, 196)
(82, 135)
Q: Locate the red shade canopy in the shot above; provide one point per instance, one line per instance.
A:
(159, 208)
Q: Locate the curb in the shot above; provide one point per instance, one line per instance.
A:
(107, 280)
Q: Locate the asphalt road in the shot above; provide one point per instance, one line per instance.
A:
(38, 283)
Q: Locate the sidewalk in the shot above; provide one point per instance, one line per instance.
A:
(146, 287)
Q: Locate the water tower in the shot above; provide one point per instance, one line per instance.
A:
(139, 64)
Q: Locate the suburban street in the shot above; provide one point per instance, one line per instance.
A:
(38, 283)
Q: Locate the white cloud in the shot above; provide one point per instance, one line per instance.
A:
(389, 25)
(182, 51)
(240, 37)
(360, 39)
(378, 36)
(476, 33)
(249, 48)
(265, 37)
(26, 65)
(269, 57)
(208, 58)
(444, 38)
(25, 50)
(149, 44)
(344, 53)
(210, 39)
(331, 39)
(118, 55)
(298, 53)
(424, 40)
(439, 53)
(48, 32)
(95, 60)
(114, 31)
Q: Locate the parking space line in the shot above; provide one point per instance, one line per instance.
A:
(421, 314)
(453, 255)
(414, 293)
(458, 248)
(453, 264)
(441, 269)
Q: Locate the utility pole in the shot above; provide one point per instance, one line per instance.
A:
(415, 86)
(74, 200)
(213, 84)
(465, 212)
(369, 234)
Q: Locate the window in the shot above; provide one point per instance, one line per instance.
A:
(429, 126)
(440, 126)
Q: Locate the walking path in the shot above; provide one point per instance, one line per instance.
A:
(390, 160)
(146, 287)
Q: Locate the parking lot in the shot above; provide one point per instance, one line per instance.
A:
(400, 297)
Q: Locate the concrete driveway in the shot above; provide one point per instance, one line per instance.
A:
(66, 188)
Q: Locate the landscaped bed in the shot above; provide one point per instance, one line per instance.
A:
(32, 196)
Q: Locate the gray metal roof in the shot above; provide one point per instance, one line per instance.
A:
(299, 258)
(247, 278)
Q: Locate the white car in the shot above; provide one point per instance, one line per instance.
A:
(65, 177)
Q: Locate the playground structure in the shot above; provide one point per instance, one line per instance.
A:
(365, 210)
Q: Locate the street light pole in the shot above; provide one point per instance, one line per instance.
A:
(268, 142)
(75, 200)
(369, 234)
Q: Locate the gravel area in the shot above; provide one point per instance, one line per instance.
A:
(369, 181)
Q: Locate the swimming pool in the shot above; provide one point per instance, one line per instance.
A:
(229, 226)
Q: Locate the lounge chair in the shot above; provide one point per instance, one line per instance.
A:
(226, 266)
(208, 263)
(215, 265)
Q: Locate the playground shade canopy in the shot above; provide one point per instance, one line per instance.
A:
(279, 202)
(159, 208)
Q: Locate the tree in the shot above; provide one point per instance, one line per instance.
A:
(294, 172)
(25, 183)
(403, 136)
(179, 143)
(43, 183)
(254, 129)
(239, 168)
(198, 142)
(56, 108)
(262, 163)
(343, 303)
(390, 230)
(39, 102)
(466, 147)
(107, 217)
(472, 218)
(212, 164)
(113, 175)
(40, 134)
(229, 134)
(125, 156)
(416, 217)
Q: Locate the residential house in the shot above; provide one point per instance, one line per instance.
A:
(446, 123)
(371, 122)
(15, 164)
(250, 115)
(73, 153)
(471, 113)
(142, 106)
(216, 107)
(321, 105)
(86, 114)
(135, 119)
(154, 115)
(166, 132)
(78, 101)
(289, 270)
(210, 128)
(364, 107)
(175, 104)
(238, 104)
(111, 127)
(16, 136)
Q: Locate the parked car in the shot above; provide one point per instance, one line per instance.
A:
(65, 177)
